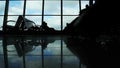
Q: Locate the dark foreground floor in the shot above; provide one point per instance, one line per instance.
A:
(56, 52)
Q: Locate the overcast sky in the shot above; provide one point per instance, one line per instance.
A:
(51, 7)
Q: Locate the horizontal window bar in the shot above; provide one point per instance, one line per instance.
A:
(41, 15)
(46, 0)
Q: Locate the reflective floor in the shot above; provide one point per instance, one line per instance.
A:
(36, 52)
(51, 52)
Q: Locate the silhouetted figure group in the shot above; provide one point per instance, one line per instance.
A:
(23, 24)
(92, 21)
(44, 27)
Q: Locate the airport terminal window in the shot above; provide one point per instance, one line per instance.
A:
(15, 7)
(83, 4)
(53, 21)
(12, 20)
(68, 19)
(33, 7)
(51, 8)
(70, 7)
(2, 6)
(52, 16)
(35, 19)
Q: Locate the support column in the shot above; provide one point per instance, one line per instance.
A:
(61, 52)
(43, 2)
(61, 15)
(5, 15)
(79, 6)
(5, 52)
(24, 8)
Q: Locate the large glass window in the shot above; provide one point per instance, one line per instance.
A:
(2, 7)
(70, 7)
(15, 7)
(68, 19)
(52, 11)
(52, 8)
(53, 22)
(33, 7)
(83, 4)
(35, 19)
(12, 20)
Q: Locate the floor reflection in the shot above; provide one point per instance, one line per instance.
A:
(37, 52)
(57, 52)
